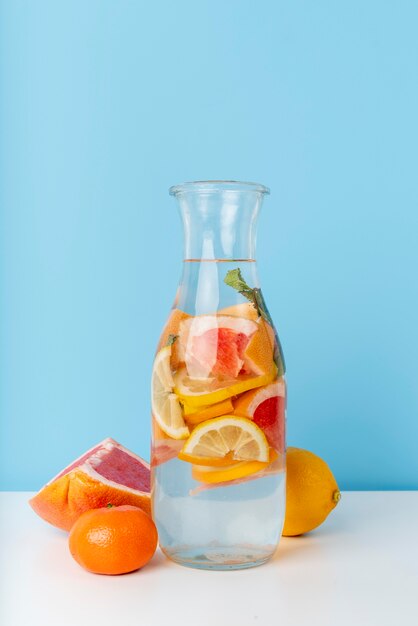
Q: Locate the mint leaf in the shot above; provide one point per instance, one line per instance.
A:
(171, 339)
(278, 356)
(261, 306)
(235, 280)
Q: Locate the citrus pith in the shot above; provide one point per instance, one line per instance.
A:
(108, 472)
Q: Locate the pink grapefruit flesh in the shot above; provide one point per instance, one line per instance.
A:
(214, 345)
(107, 473)
(270, 417)
(228, 346)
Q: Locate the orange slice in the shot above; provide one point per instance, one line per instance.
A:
(166, 407)
(200, 392)
(172, 328)
(245, 309)
(207, 474)
(258, 355)
(224, 440)
(207, 412)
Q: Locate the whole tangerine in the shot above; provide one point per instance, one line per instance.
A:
(113, 540)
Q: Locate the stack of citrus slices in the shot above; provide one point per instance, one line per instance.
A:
(217, 400)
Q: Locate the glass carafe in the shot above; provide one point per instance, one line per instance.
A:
(218, 392)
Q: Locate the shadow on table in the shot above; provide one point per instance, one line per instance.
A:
(291, 547)
(312, 542)
(158, 560)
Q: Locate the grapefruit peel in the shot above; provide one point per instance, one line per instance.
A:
(82, 485)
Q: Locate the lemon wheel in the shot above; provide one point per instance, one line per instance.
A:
(225, 440)
(166, 407)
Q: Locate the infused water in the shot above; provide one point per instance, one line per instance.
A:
(219, 393)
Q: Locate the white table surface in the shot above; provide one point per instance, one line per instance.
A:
(359, 568)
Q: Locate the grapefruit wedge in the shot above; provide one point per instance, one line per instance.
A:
(164, 450)
(214, 345)
(107, 473)
(266, 407)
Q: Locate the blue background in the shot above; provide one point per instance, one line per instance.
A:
(104, 105)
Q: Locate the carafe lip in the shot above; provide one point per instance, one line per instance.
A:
(216, 186)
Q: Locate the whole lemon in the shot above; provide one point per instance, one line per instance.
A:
(311, 492)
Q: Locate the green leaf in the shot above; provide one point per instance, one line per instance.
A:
(235, 280)
(261, 306)
(171, 339)
(278, 357)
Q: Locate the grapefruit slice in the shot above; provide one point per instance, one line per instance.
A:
(266, 407)
(163, 447)
(107, 473)
(165, 450)
(214, 345)
(166, 407)
(227, 438)
(200, 392)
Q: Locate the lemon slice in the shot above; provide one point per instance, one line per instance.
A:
(225, 439)
(211, 475)
(195, 416)
(166, 407)
(197, 392)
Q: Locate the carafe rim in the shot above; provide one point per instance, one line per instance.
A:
(215, 186)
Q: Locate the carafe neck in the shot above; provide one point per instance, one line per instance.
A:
(219, 219)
